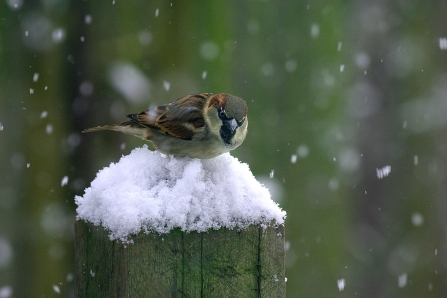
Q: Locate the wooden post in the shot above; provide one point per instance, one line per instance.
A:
(218, 263)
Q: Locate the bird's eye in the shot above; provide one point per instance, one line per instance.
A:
(222, 114)
(241, 122)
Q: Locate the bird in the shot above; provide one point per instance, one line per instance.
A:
(203, 125)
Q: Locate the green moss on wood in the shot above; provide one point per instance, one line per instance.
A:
(219, 263)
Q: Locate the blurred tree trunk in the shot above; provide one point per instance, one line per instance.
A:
(390, 237)
(35, 156)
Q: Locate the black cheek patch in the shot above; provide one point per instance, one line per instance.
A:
(226, 134)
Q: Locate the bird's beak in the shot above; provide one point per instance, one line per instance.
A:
(231, 124)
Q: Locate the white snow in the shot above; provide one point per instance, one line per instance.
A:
(130, 81)
(402, 280)
(6, 253)
(362, 60)
(417, 219)
(145, 37)
(443, 43)
(88, 19)
(6, 291)
(268, 69)
(166, 85)
(86, 88)
(151, 192)
(383, 172)
(58, 35)
(334, 183)
(56, 289)
(315, 30)
(14, 4)
(302, 151)
(293, 158)
(49, 129)
(341, 284)
(209, 50)
(64, 181)
(70, 277)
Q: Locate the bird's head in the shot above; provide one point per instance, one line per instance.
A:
(228, 117)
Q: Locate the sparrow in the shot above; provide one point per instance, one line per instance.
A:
(202, 125)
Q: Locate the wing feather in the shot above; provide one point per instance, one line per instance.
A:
(180, 118)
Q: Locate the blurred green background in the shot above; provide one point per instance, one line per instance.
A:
(337, 92)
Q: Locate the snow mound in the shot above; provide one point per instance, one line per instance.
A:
(151, 192)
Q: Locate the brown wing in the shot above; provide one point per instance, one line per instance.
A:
(179, 118)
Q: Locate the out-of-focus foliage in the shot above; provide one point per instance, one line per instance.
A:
(337, 92)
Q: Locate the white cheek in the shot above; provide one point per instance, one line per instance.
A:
(217, 125)
(214, 123)
(240, 134)
(244, 128)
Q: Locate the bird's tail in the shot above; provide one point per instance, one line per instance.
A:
(129, 127)
(116, 127)
(98, 128)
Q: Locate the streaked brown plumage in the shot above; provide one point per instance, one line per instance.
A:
(202, 125)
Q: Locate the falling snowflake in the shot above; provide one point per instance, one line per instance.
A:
(383, 172)
(166, 85)
(443, 43)
(402, 280)
(293, 158)
(341, 284)
(64, 181)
